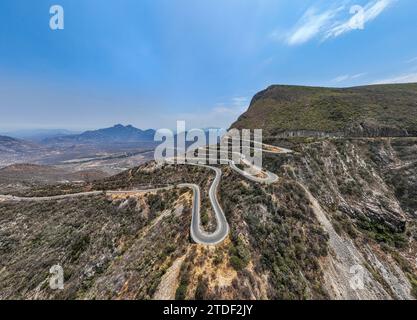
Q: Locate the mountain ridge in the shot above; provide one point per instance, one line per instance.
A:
(366, 111)
(37, 135)
(9, 144)
(116, 133)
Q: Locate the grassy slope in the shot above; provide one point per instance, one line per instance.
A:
(280, 108)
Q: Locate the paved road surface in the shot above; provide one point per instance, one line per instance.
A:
(222, 229)
(60, 197)
(197, 234)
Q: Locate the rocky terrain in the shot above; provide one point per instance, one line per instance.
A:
(105, 245)
(117, 142)
(340, 223)
(343, 207)
(12, 150)
(55, 156)
(19, 177)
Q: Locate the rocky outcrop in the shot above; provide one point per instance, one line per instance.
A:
(354, 130)
(361, 191)
(368, 129)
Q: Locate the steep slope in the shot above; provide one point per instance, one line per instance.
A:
(353, 186)
(380, 110)
(109, 247)
(340, 223)
(337, 225)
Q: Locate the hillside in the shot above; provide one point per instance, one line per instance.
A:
(45, 174)
(16, 150)
(379, 110)
(339, 204)
(12, 145)
(341, 208)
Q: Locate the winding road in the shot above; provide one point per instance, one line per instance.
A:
(197, 233)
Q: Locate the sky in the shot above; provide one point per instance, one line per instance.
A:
(150, 63)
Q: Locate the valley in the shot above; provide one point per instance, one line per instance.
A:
(329, 217)
(72, 157)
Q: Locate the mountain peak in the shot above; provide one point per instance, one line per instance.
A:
(116, 133)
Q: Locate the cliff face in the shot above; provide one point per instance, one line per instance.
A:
(366, 189)
(362, 191)
(370, 111)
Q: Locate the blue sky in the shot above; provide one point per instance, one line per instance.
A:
(151, 62)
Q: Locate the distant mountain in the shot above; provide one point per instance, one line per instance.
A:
(39, 134)
(117, 133)
(368, 111)
(11, 145)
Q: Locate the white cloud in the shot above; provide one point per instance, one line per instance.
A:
(240, 102)
(341, 78)
(335, 21)
(310, 25)
(346, 77)
(222, 115)
(358, 75)
(362, 15)
(411, 60)
(404, 78)
(236, 106)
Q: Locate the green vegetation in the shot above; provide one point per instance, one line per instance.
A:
(204, 217)
(156, 202)
(218, 257)
(381, 109)
(342, 222)
(181, 292)
(100, 243)
(202, 289)
(239, 255)
(285, 239)
(351, 188)
(381, 232)
(79, 247)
